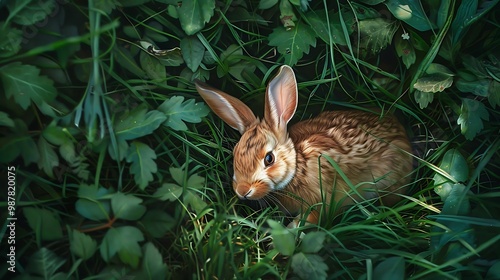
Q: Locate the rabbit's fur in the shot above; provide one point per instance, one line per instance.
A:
(372, 153)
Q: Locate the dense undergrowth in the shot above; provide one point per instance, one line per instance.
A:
(115, 169)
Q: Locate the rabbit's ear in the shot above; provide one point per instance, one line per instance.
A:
(230, 109)
(281, 99)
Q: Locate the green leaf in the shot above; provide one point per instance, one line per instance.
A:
(376, 34)
(464, 15)
(143, 165)
(477, 87)
(44, 223)
(91, 204)
(309, 266)
(320, 26)
(44, 263)
(48, 157)
(287, 16)
(494, 271)
(192, 52)
(405, 50)
(455, 167)
(28, 12)
(82, 245)
(436, 68)
(178, 111)
(168, 191)
(392, 268)
(293, 43)
(266, 4)
(313, 242)
(123, 241)
(471, 116)
(19, 143)
(137, 123)
(195, 201)
(5, 120)
(127, 206)
(122, 149)
(157, 222)
(193, 14)
(434, 83)
(283, 238)
(494, 94)
(410, 12)
(423, 98)
(107, 6)
(124, 57)
(153, 68)
(153, 266)
(25, 85)
(10, 40)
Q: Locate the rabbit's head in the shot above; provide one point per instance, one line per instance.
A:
(264, 158)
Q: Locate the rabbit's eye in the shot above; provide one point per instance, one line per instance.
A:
(269, 159)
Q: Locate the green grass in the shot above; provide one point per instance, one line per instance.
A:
(121, 172)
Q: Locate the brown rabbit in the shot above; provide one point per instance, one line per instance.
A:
(372, 152)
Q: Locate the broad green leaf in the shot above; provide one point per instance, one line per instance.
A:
(471, 116)
(124, 242)
(436, 68)
(137, 123)
(28, 12)
(371, 2)
(168, 191)
(82, 245)
(494, 271)
(434, 83)
(68, 152)
(283, 238)
(20, 143)
(157, 222)
(127, 206)
(48, 157)
(91, 205)
(195, 201)
(320, 26)
(178, 111)
(10, 40)
(152, 67)
(392, 268)
(55, 134)
(193, 14)
(405, 50)
(477, 87)
(172, 57)
(127, 61)
(44, 263)
(410, 12)
(44, 223)
(266, 4)
(456, 168)
(24, 83)
(287, 15)
(153, 266)
(5, 120)
(309, 266)
(143, 165)
(107, 6)
(192, 52)
(464, 15)
(376, 34)
(312, 242)
(122, 149)
(293, 43)
(494, 94)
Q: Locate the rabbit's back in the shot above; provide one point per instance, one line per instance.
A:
(372, 152)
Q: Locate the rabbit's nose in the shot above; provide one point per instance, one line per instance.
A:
(243, 191)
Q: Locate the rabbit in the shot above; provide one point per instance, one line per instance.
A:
(273, 162)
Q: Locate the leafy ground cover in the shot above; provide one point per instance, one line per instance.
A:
(115, 169)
